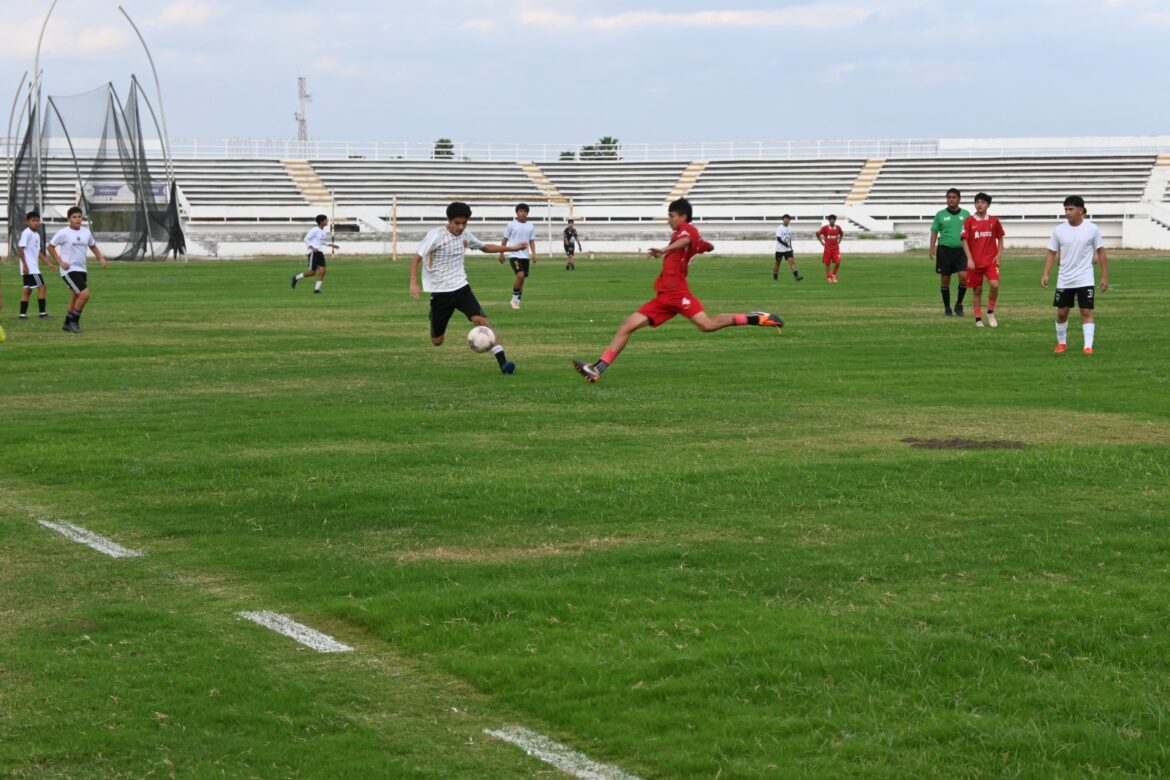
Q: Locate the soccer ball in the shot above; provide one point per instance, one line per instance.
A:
(481, 338)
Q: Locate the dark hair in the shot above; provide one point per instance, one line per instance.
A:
(570, 222)
(952, 189)
(1075, 200)
(34, 214)
(786, 216)
(321, 218)
(833, 216)
(523, 206)
(459, 209)
(73, 210)
(983, 196)
(682, 206)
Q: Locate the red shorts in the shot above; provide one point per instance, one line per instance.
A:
(832, 255)
(975, 278)
(666, 305)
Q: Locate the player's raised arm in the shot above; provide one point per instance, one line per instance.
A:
(501, 248)
(681, 242)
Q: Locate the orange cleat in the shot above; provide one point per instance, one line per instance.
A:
(1060, 348)
(1088, 350)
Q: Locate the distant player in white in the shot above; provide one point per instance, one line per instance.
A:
(1077, 242)
(316, 242)
(442, 255)
(520, 231)
(30, 265)
(784, 249)
(70, 247)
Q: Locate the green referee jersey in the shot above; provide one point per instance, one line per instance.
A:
(949, 227)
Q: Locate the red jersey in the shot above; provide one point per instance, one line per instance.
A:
(832, 235)
(676, 264)
(982, 237)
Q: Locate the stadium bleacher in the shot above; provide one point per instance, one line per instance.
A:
(1041, 180)
(737, 199)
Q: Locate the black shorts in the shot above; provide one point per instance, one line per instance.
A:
(570, 250)
(784, 255)
(1082, 295)
(444, 304)
(33, 281)
(519, 265)
(950, 260)
(316, 260)
(77, 281)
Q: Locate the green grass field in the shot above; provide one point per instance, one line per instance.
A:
(721, 561)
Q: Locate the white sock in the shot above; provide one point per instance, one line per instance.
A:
(300, 276)
(1062, 333)
(1089, 328)
(317, 286)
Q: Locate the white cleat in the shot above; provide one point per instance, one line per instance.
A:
(515, 304)
(992, 321)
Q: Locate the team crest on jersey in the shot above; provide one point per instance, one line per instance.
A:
(686, 302)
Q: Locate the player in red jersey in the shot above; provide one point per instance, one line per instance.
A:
(673, 295)
(983, 244)
(831, 236)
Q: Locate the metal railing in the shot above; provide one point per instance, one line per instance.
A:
(681, 152)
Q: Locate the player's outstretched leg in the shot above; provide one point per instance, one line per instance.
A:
(593, 371)
(506, 366)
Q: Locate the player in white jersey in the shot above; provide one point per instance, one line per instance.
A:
(784, 249)
(441, 255)
(70, 246)
(520, 231)
(1077, 242)
(316, 242)
(30, 265)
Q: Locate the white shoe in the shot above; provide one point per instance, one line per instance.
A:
(515, 304)
(991, 320)
(978, 323)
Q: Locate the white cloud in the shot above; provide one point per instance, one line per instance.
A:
(186, 14)
(814, 16)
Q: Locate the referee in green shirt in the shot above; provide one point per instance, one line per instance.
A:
(946, 250)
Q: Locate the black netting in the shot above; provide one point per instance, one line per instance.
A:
(92, 152)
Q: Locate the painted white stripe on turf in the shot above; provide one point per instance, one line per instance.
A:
(560, 756)
(283, 624)
(90, 539)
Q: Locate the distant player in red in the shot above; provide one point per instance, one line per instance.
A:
(831, 236)
(673, 295)
(983, 244)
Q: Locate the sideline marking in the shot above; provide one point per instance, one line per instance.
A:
(560, 756)
(283, 624)
(90, 539)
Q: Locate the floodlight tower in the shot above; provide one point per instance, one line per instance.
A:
(305, 98)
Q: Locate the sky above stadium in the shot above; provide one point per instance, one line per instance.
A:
(570, 72)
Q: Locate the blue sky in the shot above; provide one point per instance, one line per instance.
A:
(569, 72)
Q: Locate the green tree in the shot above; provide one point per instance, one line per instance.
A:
(606, 148)
(444, 149)
(569, 154)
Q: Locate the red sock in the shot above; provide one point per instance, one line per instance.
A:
(739, 319)
(608, 356)
(978, 311)
(836, 268)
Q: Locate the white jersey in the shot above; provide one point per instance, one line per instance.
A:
(30, 248)
(1077, 247)
(73, 246)
(520, 233)
(442, 256)
(317, 239)
(783, 239)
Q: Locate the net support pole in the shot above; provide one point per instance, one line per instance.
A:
(36, 98)
(394, 229)
(162, 114)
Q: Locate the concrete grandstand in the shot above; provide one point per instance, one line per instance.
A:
(243, 199)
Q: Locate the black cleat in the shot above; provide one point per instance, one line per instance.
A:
(587, 370)
(948, 313)
(959, 310)
(508, 368)
(293, 283)
(316, 292)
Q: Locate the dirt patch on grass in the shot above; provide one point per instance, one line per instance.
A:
(963, 444)
(539, 551)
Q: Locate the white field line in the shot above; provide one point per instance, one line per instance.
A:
(90, 539)
(283, 624)
(560, 756)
